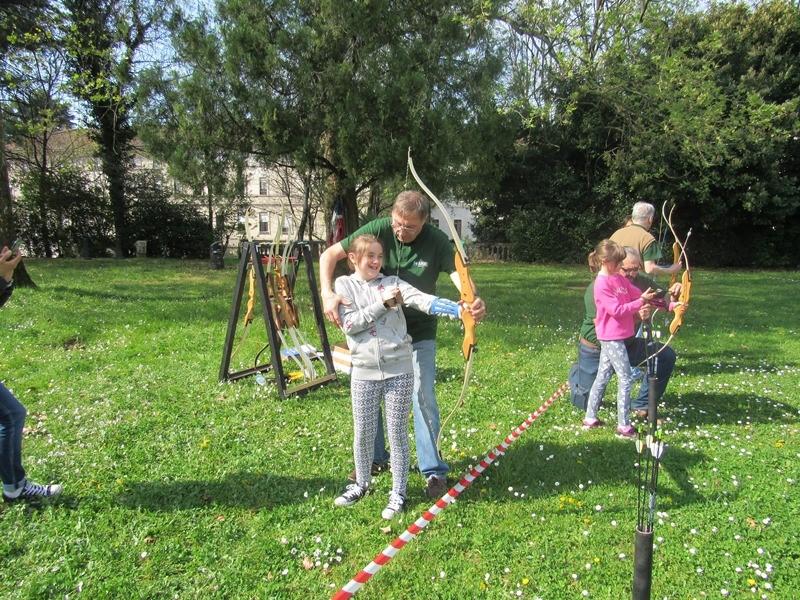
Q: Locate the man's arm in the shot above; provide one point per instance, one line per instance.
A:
(651, 254)
(327, 265)
(476, 308)
(8, 262)
(651, 268)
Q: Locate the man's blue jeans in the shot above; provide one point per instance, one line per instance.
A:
(425, 411)
(12, 420)
(583, 373)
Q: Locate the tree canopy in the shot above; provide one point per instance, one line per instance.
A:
(550, 119)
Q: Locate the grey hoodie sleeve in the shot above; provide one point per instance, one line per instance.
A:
(413, 297)
(355, 317)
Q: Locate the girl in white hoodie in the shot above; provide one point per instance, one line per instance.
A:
(380, 349)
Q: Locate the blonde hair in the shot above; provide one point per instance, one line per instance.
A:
(605, 251)
(359, 246)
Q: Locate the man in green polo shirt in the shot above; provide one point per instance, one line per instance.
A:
(418, 252)
(637, 235)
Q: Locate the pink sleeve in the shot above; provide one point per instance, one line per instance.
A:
(604, 296)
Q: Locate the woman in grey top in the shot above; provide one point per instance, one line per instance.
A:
(380, 348)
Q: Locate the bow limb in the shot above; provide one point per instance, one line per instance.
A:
(461, 398)
(468, 297)
(467, 288)
(676, 256)
(683, 303)
(676, 248)
(467, 292)
(679, 253)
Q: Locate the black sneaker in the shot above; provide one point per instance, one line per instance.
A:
(376, 468)
(35, 491)
(437, 487)
(397, 503)
(351, 494)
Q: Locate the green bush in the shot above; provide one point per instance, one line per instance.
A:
(63, 213)
(171, 229)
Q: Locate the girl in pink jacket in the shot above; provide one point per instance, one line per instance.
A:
(617, 301)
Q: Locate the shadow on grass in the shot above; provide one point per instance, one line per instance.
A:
(698, 408)
(449, 373)
(731, 361)
(707, 408)
(535, 468)
(247, 490)
(181, 304)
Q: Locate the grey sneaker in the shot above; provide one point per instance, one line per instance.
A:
(351, 494)
(397, 503)
(34, 491)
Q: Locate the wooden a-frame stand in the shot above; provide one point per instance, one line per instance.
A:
(252, 256)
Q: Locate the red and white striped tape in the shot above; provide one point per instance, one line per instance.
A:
(349, 590)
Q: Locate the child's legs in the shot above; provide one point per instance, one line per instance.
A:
(604, 371)
(399, 391)
(12, 420)
(366, 398)
(618, 356)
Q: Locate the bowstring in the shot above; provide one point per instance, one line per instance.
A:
(399, 249)
(397, 243)
(662, 239)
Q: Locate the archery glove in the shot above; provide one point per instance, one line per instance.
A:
(445, 307)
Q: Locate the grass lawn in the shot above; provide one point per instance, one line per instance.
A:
(177, 486)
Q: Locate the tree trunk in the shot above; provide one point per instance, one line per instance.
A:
(44, 230)
(7, 224)
(116, 190)
(8, 227)
(113, 154)
(306, 209)
(210, 209)
(65, 248)
(375, 200)
(346, 192)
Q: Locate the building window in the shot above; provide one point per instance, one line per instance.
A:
(263, 186)
(285, 227)
(457, 223)
(263, 222)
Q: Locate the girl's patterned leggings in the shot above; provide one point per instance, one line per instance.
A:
(366, 398)
(613, 359)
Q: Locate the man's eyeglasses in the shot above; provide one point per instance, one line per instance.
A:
(631, 271)
(396, 226)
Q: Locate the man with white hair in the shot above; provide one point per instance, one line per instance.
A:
(637, 235)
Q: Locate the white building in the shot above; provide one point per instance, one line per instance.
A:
(462, 218)
(275, 194)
